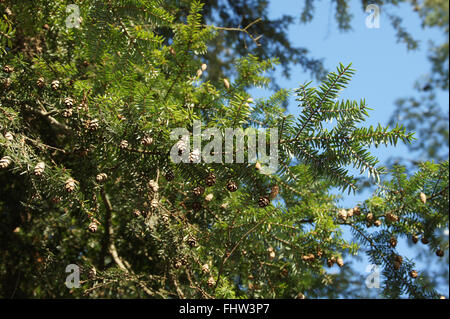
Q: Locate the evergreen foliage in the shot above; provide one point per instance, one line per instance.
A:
(86, 177)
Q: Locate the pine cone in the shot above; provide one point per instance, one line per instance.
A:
(415, 239)
(123, 144)
(369, 217)
(397, 265)
(5, 161)
(93, 227)
(342, 215)
(330, 262)
(136, 213)
(350, 213)
(423, 198)
(191, 241)
(195, 156)
(356, 211)
(377, 223)
(70, 185)
(165, 218)
(9, 136)
(263, 201)
(205, 268)
(393, 241)
(39, 168)
(146, 141)
(211, 282)
(398, 259)
(154, 203)
(413, 274)
(6, 83)
(153, 186)
(92, 125)
(55, 85)
(391, 217)
(425, 241)
(272, 255)
(232, 186)
(177, 264)
(300, 296)
(100, 178)
(210, 180)
(199, 191)
(226, 83)
(308, 257)
(92, 273)
(440, 253)
(209, 197)
(68, 102)
(274, 191)
(67, 113)
(181, 146)
(8, 69)
(340, 262)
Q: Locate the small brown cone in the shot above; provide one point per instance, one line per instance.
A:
(93, 227)
(205, 268)
(226, 83)
(263, 201)
(147, 140)
(211, 282)
(210, 179)
(274, 191)
(330, 263)
(8, 69)
(123, 144)
(40, 82)
(39, 168)
(272, 255)
(199, 190)
(391, 217)
(70, 185)
(423, 198)
(102, 177)
(232, 186)
(9, 136)
(191, 242)
(413, 274)
(55, 85)
(393, 241)
(5, 161)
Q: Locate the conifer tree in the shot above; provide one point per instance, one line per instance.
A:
(90, 98)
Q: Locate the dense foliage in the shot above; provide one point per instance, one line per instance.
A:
(87, 113)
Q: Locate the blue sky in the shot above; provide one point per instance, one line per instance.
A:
(385, 69)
